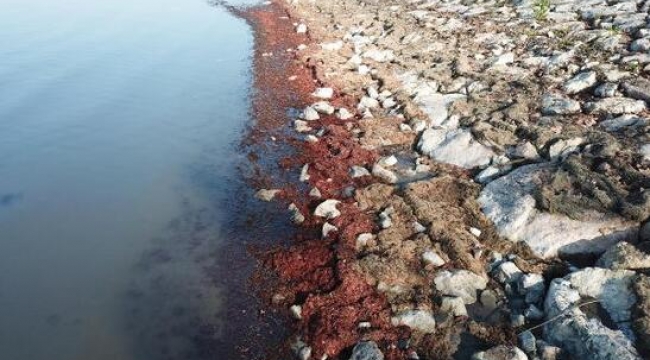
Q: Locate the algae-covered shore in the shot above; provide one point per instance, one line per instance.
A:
(467, 179)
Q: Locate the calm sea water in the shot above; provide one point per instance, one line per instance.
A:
(118, 129)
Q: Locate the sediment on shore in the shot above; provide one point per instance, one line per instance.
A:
(467, 179)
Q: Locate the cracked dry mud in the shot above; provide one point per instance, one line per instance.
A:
(490, 157)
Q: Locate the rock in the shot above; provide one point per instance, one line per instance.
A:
(557, 105)
(315, 193)
(562, 148)
(296, 311)
(527, 342)
(266, 194)
(366, 350)
(363, 239)
(613, 288)
(301, 126)
(323, 107)
(580, 82)
(606, 90)
(323, 93)
(344, 114)
(526, 150)
(548, 352)
(432, 258)
(418, 320)
(327, 209)
(453, 305)
(533, 313)
(501, 352)
(385, 220)
(507, 272)
(435, 105)
(644, 232)
(368, 103)
(310, 114)
(583, 338)
(359, 171)
(615, 106)
(301, 28)
(327, 229)
(304, 173)
(645, 151)
(637, 88)
(384, 174)
(624, 122)
(296, 216)
(474, 231)
(460, 283)
(489, 300)
(372, 92)
(332, 46)
(379, 55)
(624, 256)
(456, 147)
(489, 174)
(642, 44)
(509, 202)
(532, 287)
(387, 161)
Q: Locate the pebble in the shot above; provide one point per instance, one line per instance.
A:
(432, 258)
(266, 194)
(310, 114)
(327, 209)
(323, 93)
(323, 107)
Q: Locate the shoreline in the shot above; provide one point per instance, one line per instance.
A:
(401, 249)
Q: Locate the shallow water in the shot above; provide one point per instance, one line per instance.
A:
(119, 122)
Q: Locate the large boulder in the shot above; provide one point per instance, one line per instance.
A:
(510, 203)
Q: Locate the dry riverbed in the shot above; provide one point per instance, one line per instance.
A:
(470, 179)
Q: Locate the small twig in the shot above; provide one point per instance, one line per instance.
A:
(577, 306)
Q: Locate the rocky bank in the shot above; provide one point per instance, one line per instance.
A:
(472, 179)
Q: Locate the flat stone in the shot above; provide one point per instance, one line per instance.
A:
(418, 320)
(582, 337)
(580, 82)
(615, 106)
(624, 122)
(435, 105)
(460, 283)
(606, 90)
(323, 93)
(509, 202)
(457, 147)
(637, 88)
(501, 352)
(558, 105)
(327, 209)
(562, 148)
(366, 350)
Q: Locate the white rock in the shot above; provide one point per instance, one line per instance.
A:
(501, 352)
(532, 287)
(558, 105)
(266, 194)
(363, 239)
(332, 46)
(359, 171)
(616, 106)
(344, 114)
(509, 202)
(296, 311)
(460, 283)
(418, 228)
(367, 102)
(301, 126)
(385, 220)
(296, 216)
(301, 28)
(645, 151)
(323, 107)
(327, 229)
(384, 174)
(583, 338)
(456, 147)
(323, 93)
(562, 148)
(310, 114)
(327, 209)
(432, 258)
(526, 150)
(507, 272)
(304, 173)
(580, 82)
(435, 105)
(310, 138)
(624, 122)
(315, 193)
(379, 55)
(453, 305)
(387, 161)
(372, 92)
(476, 232)
(418, 320)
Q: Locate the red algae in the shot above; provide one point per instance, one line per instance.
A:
(319, 274)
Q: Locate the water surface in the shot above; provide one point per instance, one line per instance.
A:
(118, 125)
